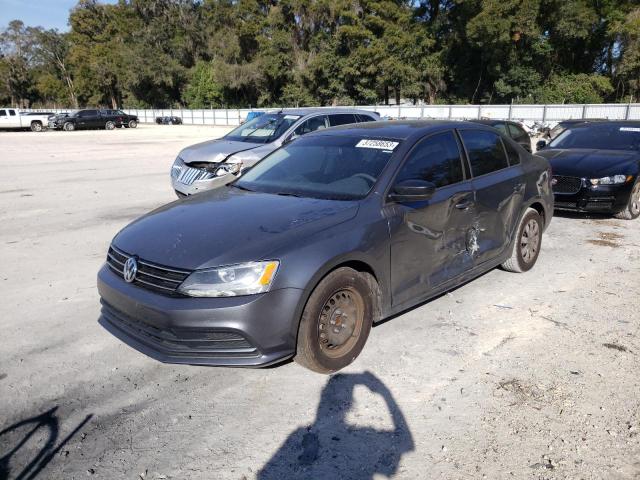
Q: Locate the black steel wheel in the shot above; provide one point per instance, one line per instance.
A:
(336, 320)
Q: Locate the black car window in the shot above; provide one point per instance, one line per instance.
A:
(341, 119)
(12, 113)
(512, 153)
(364, 118)
(516, 132)
(435, 159)
(501, 127)
(311, 125)
(3, 113)
(323, 166)
(485, 151)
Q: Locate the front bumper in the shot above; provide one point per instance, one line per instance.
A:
(594, 199)
(249, 331)
(200, 185)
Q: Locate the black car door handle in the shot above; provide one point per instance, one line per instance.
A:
(464, 204)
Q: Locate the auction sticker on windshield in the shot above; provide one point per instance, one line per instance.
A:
(379, 144)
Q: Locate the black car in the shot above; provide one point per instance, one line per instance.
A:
(563, 125)
(85, 120)
(332, 232)
(122, 119)
(510, 129)
(596, 166)
(169, 120)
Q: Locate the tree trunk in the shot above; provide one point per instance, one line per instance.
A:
(397, 89)
(386, 94)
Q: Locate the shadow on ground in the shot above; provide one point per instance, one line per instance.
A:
(330, 448)
(45, 426)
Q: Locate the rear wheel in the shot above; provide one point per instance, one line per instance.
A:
(36, 126)
(632, 210)
(110, 125)
(69, 127)
(526, 245)
(337, 320)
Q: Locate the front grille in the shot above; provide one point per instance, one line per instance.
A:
(182, 341)
(566, 184)
(188, 175)
(151, 276)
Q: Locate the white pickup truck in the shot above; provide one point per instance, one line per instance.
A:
(13, 118)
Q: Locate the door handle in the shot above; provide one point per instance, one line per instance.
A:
(463, 205)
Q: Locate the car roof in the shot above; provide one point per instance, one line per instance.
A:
(394, 129)
(490, 121)
(314, 111)
(615, 123)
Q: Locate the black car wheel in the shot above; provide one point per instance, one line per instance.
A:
(110, 125)
(133, 124)
(632, 210)
(69, 127)
(337, 320)
(526, 245)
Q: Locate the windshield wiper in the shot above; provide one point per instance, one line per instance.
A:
(240, 187)
(287, 194)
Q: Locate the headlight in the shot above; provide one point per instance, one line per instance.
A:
(231, 281)
(176, 168)
(227, 168)
(612, 180)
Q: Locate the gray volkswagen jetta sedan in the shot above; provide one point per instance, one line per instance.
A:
(328, 235)
(210, 164)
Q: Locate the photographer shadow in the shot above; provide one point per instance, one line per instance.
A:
(330, 448)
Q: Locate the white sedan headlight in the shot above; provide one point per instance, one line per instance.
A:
(612, 180)
(176, 168)
(231, 281)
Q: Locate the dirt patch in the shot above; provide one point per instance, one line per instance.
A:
(615, 346)
(535, 396)
(607, 239)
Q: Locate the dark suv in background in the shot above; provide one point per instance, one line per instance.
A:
(91, 119)
(510, 129)
(125, 120)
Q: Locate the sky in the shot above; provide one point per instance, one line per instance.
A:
(45, 13)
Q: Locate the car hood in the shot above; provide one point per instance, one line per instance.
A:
(215, 151)
(589, 163)
(226, 226)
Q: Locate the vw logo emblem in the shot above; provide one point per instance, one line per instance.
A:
(130, 269)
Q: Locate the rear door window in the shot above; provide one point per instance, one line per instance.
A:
(342, 119)
(512, 153)
(364, 118)
(516, 132)
(435, 159)
(501, 127)
(12, 113)
(485, 151)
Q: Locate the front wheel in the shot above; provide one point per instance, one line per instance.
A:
(110, 125)
(632, 210)
(526, 245)
(337, 320)
(133, 124)
(69, 127)
(36, 126)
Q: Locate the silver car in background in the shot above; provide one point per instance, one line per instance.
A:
(214, 163)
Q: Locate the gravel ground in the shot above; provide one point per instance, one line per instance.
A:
(510, 376)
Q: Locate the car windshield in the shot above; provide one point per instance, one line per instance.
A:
(330, 167)
(600, 137)
(263, 129)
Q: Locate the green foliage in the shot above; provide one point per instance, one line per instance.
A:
(201, 53)
(574, 88)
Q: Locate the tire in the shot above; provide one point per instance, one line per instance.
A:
(632, 210)
(525, 247)
(133, 124)
(68, 127)
(109, 125)
(36, 126)
(336, 320)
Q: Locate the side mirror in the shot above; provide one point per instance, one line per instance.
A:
(412, 191)
(540, 144)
